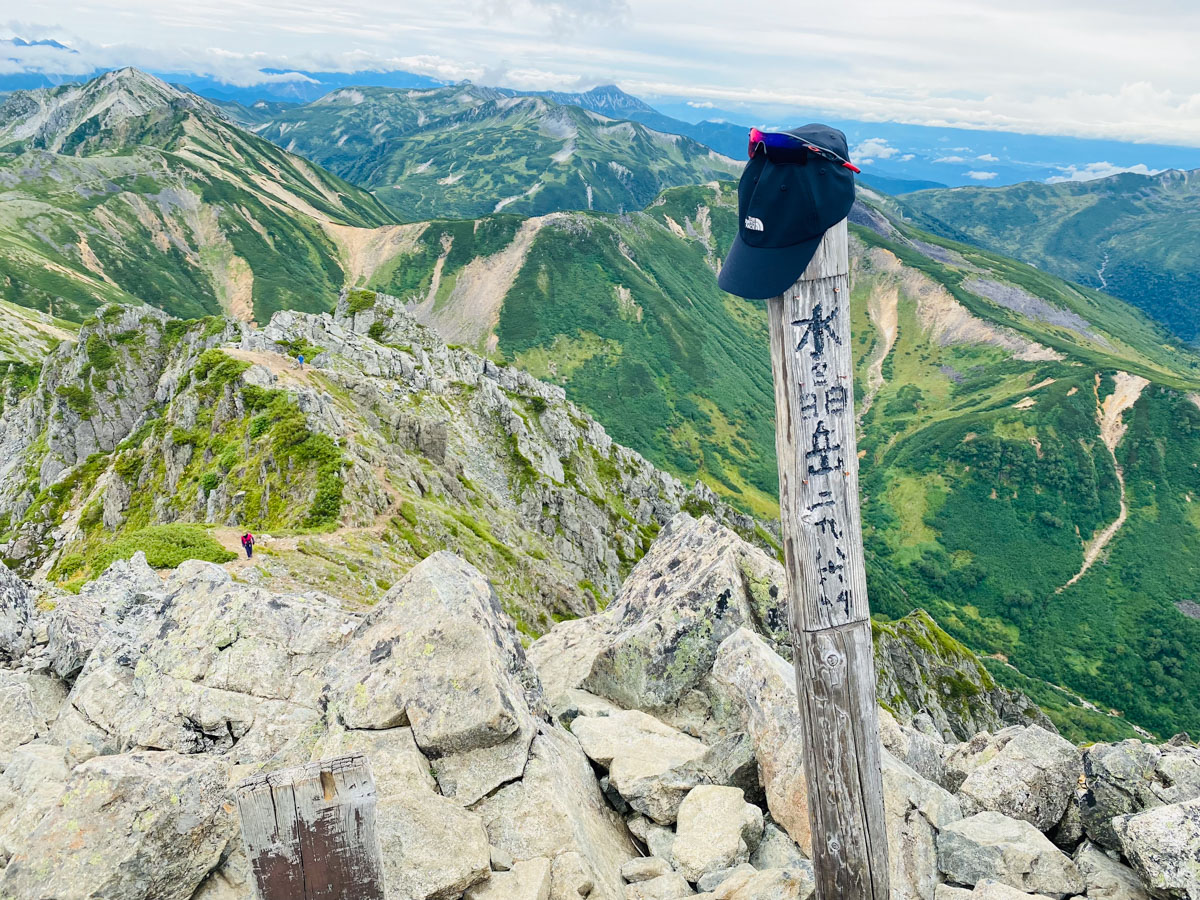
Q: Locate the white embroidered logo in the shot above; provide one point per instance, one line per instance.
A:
(753, 224)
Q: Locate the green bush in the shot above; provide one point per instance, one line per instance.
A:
(359, 301)
(165, 546)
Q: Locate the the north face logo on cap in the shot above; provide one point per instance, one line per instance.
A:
(753, 224)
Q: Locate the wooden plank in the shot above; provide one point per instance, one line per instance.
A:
(812, 365)
(309, 831)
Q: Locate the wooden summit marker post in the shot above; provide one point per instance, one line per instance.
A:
(811, 362)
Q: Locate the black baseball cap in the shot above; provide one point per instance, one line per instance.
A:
(784, 209)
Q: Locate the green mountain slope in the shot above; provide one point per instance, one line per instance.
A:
(1006, 416)
(126, 189)
(469, 151)
(1133, 236)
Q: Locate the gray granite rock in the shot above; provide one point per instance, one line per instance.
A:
(989, 845)
(1163, 846)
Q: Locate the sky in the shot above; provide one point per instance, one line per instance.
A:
(1082, 68)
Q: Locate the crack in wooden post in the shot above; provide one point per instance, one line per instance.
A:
(812, 365)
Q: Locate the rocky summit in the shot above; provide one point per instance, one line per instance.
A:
(649, 750)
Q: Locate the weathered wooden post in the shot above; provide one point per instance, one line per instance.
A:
(811, 361)
(310, 834)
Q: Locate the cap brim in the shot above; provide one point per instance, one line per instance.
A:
(759, 273)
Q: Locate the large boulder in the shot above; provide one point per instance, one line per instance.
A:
(717, 830)
(1032, 777)
(128, 827)
(761, 687)
(915, 812)
(556, 811)
(439, 654)
(218, 667)
(20, 719)
(991, 845)
(645, 759)
(1131, 776)
(526, 880)
(35, 778)
(1163, 845)
(16, 611)
(113, 601)
(769, 884)
(923, 753)
(1107, 879)
(698, 584)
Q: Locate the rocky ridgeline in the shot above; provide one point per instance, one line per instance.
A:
(148, 420)
(649, 751)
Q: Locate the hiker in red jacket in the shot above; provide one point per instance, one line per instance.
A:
(248, 544)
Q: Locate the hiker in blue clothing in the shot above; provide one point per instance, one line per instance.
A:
(299, 360)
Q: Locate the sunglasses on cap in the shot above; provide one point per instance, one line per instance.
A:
(779, 146)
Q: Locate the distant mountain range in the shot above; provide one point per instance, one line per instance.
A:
(464, 150)
(1134, 236)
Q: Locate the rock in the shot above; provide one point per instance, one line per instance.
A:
(771, 884)
(1163, 846)
(717, 829)
(1067, 834)
(921, 669)
(991, 845)
(20, 719)
(557, 808)
(949, 892)
(16, 611)
(1032, 777)
(669, 886)
(658, 638)
(501, 860)
(1107, 879)
(639, 751)
(527, 880)
(644, 868)
(1131, 776)
(220, 666)
(714, 880)
(114, 601)
(965, 758)
(659, 839)
(438, 653)
(997, 890)
(31, 785)
(761, 686)
(777, 851)
(162, 819)
(915, 812)
(571, 877)
(919, 751)
(230, 880)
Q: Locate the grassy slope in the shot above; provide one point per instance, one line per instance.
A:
(1138, 231)
(468, 151)
(962, 487)
(171, 210)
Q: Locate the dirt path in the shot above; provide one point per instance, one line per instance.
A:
(282, 367)
(1110, 417)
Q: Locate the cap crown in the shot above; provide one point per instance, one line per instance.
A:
(781, 204)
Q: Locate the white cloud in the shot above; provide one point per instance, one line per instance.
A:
(956, 160)
(981, 176)
(987, 157)
(701, 104)
(876, 147)
(907, 156)
(1095, 170)
(1126, 71)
